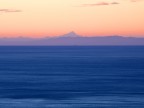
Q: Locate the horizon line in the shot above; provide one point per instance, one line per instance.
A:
(74, 35)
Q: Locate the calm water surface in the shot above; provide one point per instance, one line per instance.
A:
(72, 77)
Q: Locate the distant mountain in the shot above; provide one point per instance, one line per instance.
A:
(70, 34)
(74, 39)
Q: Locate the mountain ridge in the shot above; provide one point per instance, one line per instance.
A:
(73, 38)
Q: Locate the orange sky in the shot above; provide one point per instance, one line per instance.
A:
(40, 18)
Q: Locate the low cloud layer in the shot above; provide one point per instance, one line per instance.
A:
(9, 10)
(106, 3)
(100, 4)
(136, 0)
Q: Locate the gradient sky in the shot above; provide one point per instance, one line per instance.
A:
(40, 18)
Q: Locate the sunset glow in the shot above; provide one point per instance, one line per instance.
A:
(40, 18)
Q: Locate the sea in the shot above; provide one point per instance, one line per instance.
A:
(71, 76)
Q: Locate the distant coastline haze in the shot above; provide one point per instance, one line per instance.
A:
(73, 38)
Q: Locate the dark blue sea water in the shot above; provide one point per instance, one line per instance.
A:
(72, 77)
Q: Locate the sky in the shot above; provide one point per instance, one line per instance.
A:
(40, 18)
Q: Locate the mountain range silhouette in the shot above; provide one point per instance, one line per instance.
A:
(73, 38)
